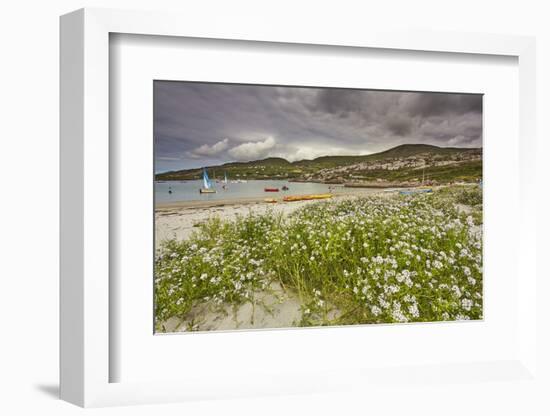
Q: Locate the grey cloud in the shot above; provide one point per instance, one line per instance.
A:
(197, 124)
(400, 126)
(253, 150)
(213, 150)
(434, 104)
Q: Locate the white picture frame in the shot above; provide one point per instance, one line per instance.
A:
(85, 211)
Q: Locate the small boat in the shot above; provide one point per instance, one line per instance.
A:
(271, 189)
(270, 200)
(207, 184)
(416, 191)
(225, 182)
(306, 197)
(285, 188)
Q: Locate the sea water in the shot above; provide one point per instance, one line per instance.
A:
(189, 190)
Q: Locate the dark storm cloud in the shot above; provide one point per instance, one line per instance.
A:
(339, 102)
(400, 126)
(197, 124)
(427, 105)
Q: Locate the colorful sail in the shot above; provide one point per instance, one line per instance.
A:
(206, 181)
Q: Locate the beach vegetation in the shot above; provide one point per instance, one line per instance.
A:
(369, 260)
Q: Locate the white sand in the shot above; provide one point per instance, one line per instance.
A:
(179, 220)
(179, 223)
(273, 308)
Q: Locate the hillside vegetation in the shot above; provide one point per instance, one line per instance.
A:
(406, 164)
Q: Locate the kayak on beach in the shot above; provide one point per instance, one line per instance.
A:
(271, 189)
(306, 197)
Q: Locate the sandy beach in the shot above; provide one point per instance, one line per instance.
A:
(275, 307)
(177, 220)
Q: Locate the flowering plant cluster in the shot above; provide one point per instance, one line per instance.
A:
(380, 259)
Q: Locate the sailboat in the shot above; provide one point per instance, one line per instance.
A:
(224, 186)
(207, 184)
(422, 189)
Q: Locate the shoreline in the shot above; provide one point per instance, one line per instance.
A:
(178, 220)
(167, 206)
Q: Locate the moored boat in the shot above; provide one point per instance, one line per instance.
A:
(271, 189)
(416, 191)
(207, 184)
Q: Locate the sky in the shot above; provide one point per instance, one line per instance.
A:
(206, 124)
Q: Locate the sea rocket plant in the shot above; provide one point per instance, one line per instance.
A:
(379, 259)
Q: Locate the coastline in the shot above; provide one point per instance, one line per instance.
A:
(178, 220)
(169, 206)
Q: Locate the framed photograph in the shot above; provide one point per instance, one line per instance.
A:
(247, 215)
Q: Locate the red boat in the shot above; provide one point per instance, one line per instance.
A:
(271, 189)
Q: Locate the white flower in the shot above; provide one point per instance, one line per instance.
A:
(375, 310)
(413, 310)
(467, 304)
(456, 291)
(397, 313)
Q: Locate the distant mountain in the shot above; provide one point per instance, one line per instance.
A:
(401, 163)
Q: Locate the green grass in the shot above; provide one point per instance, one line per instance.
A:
(278, 168)
(466, 171)
(373, 260)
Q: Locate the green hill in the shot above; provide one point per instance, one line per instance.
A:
(399, 163)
